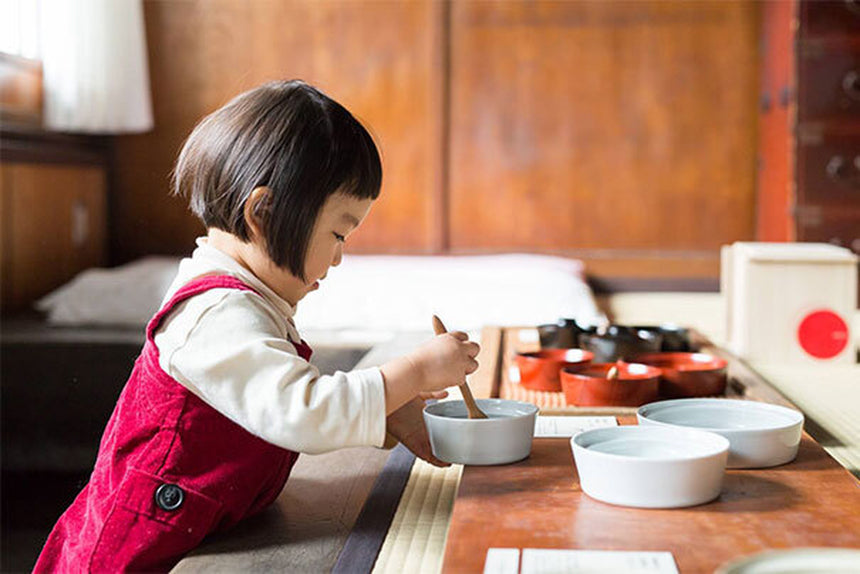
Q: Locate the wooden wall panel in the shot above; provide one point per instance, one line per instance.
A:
(380, 59)
(609, 130)
(53, 226)
(623, 133)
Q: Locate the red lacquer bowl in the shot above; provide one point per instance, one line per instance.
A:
(688, 374)
(635, 385)
(539, 370)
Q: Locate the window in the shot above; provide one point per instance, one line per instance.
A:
(19, 28)
(74, 65)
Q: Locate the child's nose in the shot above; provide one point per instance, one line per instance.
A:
(338, 256)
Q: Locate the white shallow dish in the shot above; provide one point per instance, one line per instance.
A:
(504, 437)
(650, 467)
(761, 435)
(797, 560)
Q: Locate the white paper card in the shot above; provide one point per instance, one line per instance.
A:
(548, 426)
(541, 561)
(502, 561)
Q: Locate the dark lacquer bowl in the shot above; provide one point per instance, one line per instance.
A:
(688, 374)
(563, 334)
(539, 370)
(620, 343)
(635, 385)
(673, 338)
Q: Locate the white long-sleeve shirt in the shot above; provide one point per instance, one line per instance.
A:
(234, 349)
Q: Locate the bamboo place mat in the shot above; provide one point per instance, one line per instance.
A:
(743, 382)
(525, 340)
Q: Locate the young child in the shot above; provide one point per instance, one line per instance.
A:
(222, 397)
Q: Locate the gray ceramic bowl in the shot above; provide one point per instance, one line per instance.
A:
(649, 466)
(504, 437)
(761, 435)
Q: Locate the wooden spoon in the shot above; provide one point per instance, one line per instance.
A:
(471, 405)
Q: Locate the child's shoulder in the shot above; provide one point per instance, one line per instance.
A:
(229, 308)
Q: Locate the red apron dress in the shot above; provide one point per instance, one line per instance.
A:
(170, 470)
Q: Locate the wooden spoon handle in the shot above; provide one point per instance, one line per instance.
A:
(471, 405)
(474, 411)
(438, 326)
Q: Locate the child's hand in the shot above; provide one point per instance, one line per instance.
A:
(406, 424)
(444, 361)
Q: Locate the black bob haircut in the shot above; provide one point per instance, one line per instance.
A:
(289, 137)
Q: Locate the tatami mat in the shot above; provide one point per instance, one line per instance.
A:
(830, 399)
(416, 538)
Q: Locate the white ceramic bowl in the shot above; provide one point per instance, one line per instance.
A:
(650, 467)
(761, 434)
(506, 436)
(796, 560)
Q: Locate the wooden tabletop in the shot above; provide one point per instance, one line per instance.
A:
(538, 503)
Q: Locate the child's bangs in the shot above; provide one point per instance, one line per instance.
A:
(358, 170)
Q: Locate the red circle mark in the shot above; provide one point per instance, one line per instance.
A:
(823, 334)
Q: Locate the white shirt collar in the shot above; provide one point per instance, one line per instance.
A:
(209, 257)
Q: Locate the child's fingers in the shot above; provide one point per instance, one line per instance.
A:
(471, 366)
(472, 348)
(424, 452)
(433, 395)
(436, 462)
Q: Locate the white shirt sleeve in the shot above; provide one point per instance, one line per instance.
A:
(235, 356)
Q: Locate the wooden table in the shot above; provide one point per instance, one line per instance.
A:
(538, 503)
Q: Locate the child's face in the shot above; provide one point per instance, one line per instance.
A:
(339, 217)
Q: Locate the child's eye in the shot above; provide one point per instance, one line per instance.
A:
(339, 237)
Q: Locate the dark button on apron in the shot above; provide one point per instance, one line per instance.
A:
(169, 497)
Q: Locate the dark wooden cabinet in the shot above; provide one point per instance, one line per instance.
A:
(829, 81)
(829, 18)
(828, 174)
(817, 225)
(813, 107)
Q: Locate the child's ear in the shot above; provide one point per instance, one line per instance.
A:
(254, 211)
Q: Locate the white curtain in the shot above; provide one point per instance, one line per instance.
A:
(96, 77)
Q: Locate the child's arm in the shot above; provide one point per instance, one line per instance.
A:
(442, 362)
(230, 349)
